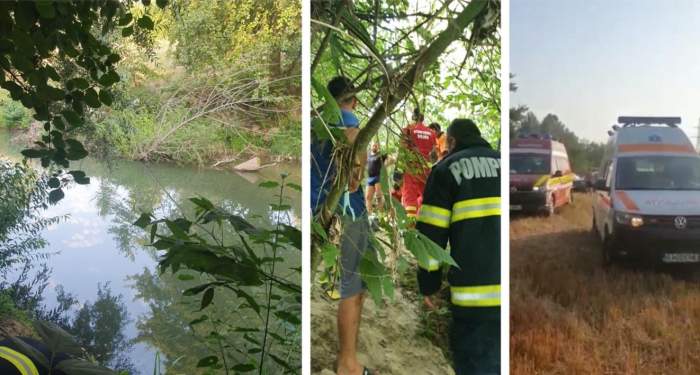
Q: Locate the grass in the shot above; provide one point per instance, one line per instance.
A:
(569, 315)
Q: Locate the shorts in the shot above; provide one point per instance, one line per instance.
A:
(412, 193)
(353, 243)
(476, 346)
(371, 181)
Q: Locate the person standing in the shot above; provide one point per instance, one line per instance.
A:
(440, 142)
(354, 240)
(375, 162)
(419, 140)
(462, 206)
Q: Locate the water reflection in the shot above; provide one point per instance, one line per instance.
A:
(97, 245)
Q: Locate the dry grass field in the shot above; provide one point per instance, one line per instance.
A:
(569, 315)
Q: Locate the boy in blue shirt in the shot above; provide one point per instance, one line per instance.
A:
(354, 240)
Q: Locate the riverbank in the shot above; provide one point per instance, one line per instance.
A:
(270, 164)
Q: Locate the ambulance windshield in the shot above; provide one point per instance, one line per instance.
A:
(529, 164)
(658, 173)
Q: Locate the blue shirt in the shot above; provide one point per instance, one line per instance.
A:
(323, 173)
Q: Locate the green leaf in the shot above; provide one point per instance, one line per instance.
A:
(185, 277)
(162, 3)
(209, 361)
(125, 19)
(106, 97)
(31, 352)
(330, 254)
(72, 117)
(55, 196)
(143, 221)
(33, 153)
(45, 9)
(294, 186)
(75, 150)
(112, 58)
(127, 31)
(201, 319)
(91, 98)
(54, 183)
(145, 22)
(268, 184)
(56, 339)
(330, 112)
(79, 83)
(288, 317)
(207, 298)
(243, 367)
(82, 367)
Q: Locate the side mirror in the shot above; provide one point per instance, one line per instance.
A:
(557, 174)
(600, 185)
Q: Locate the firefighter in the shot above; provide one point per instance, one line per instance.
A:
(420, 141)
(461, 205)
(13, 361)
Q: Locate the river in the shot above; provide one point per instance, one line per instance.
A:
(97, 243)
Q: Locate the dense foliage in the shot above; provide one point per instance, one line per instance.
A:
(442, 57)
(243, 266)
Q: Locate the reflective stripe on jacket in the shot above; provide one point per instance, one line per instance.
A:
(462, 207)
(21, 362)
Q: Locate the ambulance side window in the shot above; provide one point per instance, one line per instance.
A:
(608, 174)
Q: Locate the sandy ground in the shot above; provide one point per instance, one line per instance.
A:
(389, 338)
(571, 315)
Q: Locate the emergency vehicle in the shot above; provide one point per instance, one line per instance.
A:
(647, 201)
(540, 175)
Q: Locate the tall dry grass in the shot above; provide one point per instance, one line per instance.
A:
(569, 315)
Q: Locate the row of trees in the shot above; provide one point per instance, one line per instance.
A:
(584, 155)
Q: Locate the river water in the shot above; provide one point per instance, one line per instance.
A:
(97, 244)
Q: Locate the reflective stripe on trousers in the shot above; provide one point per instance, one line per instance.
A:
(476, 296)
(19, 360)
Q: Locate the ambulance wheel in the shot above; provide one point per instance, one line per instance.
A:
(609, 257)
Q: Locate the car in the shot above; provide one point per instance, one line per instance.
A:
(540, 175)
(580, 184)
(647, 198)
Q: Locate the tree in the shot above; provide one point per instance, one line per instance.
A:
(392, 56)
(53, 63)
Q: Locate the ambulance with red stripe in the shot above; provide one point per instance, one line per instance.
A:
(647, 199)
(540, 175)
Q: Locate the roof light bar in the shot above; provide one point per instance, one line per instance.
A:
(645, 120)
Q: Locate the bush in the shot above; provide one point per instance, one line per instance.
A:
(12, 114)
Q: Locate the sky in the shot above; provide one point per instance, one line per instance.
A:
(590, 61)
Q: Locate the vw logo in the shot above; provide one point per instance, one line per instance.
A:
(680, 222)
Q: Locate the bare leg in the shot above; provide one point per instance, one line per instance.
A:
(380, 196)
(369, 198)
(349, 313)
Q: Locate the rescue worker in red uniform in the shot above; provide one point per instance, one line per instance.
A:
(420, 141)
(462, 206)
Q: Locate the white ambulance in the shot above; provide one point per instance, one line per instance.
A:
(647, 200)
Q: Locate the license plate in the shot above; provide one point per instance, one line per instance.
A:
(516, 207)
(681, 258)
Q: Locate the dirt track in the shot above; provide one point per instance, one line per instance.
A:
(569, 315)
(390, 341)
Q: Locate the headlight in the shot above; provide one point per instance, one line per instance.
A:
(632, 220)
(536, 188)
